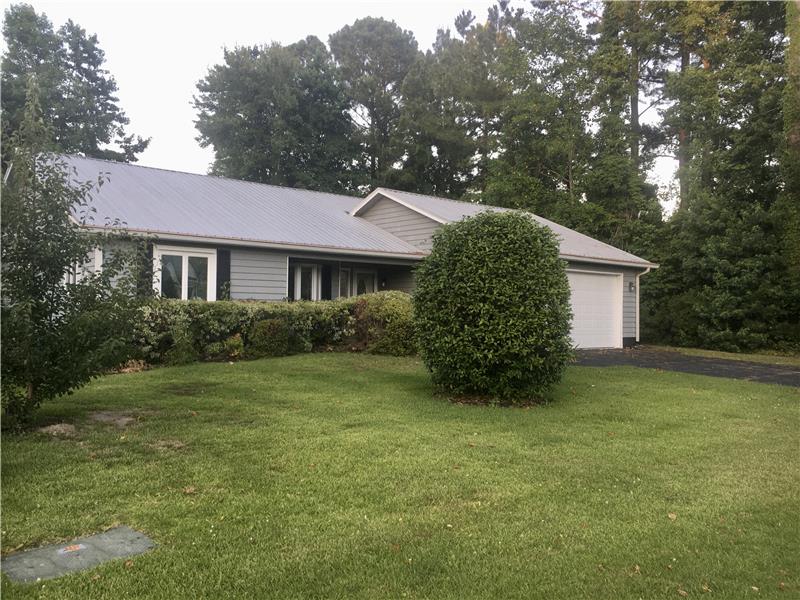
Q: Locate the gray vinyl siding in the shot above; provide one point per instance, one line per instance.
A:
(628, 304)
(629, 315)
(397, 278)
(258, 275)
(402, 222)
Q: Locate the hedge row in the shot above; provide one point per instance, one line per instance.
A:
(177, 332)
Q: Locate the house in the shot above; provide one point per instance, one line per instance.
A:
(216, 237)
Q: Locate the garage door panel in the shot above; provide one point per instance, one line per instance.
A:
(596, 301)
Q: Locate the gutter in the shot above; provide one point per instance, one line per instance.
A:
(286, 246)
(206, 239)
(603, 261)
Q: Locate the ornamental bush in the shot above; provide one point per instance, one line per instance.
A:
(269, 337)
(179, 331)
(492, 309)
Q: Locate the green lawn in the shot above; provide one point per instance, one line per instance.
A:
(340, 476)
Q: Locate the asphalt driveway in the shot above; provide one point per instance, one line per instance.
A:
(667, 360)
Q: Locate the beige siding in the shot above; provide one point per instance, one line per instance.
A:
(402, 222)
(258, 275)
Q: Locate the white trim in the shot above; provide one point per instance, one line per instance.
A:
(619, 312)
(606, 261)
(288, 274)
(98, 259)
(364, 204)
(418, 255)
(248, 243)
(316, 280)
(185, 252)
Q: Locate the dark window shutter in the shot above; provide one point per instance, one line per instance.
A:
(223, 274)
(326, 283)
(144, 258)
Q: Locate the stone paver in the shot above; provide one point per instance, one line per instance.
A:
(48, 562)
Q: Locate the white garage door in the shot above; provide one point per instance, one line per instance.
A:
(596, 309)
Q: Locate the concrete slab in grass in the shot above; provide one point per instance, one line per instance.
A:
(56, 560)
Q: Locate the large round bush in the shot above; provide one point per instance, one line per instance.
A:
(492, 308)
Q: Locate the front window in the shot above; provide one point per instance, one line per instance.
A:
(171, 275)
(344, 283)
(198, 277)
(184, 273)
(365, 282)
(307, 282)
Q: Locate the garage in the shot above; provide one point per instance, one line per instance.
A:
(597, 309)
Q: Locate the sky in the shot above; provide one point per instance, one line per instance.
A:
(158, 50)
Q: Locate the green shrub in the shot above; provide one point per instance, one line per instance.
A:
(177, 332)
(229, 349)
(492, 308)
(269, 337)
(384, 323)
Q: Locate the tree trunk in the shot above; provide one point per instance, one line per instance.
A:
(683, 138)
(635, 134)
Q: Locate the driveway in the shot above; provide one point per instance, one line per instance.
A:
(666, 360)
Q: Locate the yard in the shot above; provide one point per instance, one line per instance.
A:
(339, 476)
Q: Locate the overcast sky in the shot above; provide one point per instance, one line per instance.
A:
(158, 51)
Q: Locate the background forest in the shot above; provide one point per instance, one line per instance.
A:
(561, 108)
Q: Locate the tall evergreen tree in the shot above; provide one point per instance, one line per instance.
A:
(789, 207)
(278, 115)
(374, 56)
(544, 141)
(724, 272)
(78, 95)
(437, 152)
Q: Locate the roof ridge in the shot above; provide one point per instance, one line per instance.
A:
(272, 185)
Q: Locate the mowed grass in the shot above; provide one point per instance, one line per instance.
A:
(342, 476)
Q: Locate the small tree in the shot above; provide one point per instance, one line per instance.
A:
(492, 308)
(59, 328)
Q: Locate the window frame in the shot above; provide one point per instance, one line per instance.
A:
(316, 281)
(356, 273)
(185, 252)
(348, 280)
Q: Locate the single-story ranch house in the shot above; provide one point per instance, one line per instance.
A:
(215, 236)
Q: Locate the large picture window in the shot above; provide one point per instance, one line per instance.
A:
(185, 273)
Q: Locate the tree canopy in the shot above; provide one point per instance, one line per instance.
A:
(62, 322)
(77, 94)
(554, 107)
(278, 115)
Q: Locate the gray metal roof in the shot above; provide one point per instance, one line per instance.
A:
(162, 202)
(572, 244)
(169, 202)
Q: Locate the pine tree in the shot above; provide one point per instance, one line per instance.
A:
(78, 95)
